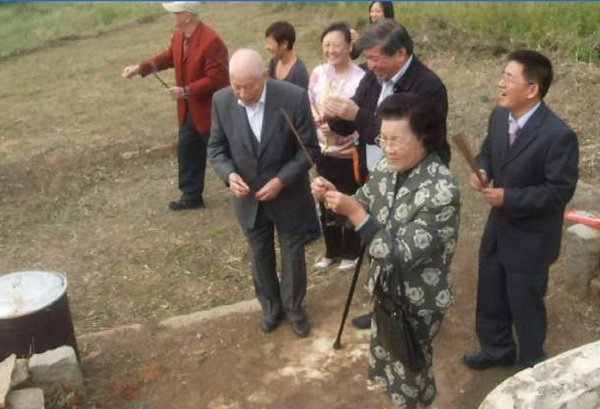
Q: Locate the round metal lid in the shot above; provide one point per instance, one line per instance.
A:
(26, 292)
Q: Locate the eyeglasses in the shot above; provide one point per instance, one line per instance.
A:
(509, 78)
(390, 143)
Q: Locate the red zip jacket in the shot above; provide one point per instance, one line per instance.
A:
(204, 70)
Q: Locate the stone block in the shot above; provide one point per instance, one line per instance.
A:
(586, 197)
(583, 254)
(56, 366)
(20, 373)
(570, 380)
(185, 321)
(6, 370)
(32, 398)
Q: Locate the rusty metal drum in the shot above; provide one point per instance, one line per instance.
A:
(34, 313)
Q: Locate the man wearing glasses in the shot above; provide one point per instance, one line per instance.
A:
(531, 156)
(393, 68)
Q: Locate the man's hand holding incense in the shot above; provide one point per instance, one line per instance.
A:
(237, 186)
(270, 190)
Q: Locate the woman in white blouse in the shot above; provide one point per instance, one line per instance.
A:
(338, 76)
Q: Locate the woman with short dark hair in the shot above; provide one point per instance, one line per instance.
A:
(285, 65)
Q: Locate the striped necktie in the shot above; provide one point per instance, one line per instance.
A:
(513, 129)
(186, 43)
(387, 89)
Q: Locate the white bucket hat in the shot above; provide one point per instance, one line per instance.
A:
(182, 6)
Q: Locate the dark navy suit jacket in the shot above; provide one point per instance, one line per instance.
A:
(539, 174)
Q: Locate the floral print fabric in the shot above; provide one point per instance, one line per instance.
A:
(419, 227)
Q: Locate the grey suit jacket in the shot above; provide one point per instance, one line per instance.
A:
(230, 149)
(539, 174)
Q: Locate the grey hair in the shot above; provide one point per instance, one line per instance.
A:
(387, 34)
(247, 61)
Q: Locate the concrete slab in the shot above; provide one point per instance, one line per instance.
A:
(6, 370)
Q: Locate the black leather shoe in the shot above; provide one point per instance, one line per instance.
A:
(362, 321)
(270, 325)
(301, 328)
(479, 360)
(532, 362)
(183, 204)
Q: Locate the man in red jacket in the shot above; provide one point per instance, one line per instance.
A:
(200, 60)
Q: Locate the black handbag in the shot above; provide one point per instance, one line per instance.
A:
(395, 332)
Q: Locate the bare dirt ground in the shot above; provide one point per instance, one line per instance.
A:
(83, 191)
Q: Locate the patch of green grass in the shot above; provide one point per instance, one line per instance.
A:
(569, 29)
(31, 25)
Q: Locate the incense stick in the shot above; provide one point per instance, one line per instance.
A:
(462, 143)
(160, 79)
(297, 135)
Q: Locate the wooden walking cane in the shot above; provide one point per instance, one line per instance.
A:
(337, 344)
(462, 143)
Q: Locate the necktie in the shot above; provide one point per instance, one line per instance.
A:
(387, 89)
(186, 42)
(513, 128)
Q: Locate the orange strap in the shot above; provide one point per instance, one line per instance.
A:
(356, 166)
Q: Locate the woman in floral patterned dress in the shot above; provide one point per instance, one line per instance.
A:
(408, 216)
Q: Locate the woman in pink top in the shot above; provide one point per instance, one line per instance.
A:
(338, 76)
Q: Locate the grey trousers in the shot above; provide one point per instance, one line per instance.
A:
(284, 294)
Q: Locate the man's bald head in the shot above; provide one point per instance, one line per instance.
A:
(246, 61)
(247, 75)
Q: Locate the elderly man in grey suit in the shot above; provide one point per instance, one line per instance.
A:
(254, 151)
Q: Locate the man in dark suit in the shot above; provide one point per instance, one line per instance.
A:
(393, 68)
(256, 154)
(531, 156)
(199, 58)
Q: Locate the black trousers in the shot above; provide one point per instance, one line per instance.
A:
(191, 159)
(284, 294)
(511, 298)
(341, 240)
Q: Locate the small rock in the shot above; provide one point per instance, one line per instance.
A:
(129, 155)
(32, 398)
(20, 373)
(57, 365)
(6, 370)
(162, 150)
